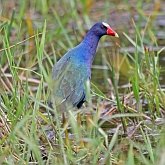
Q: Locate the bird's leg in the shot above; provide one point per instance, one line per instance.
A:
(64, 126)
(79, 125)
(88, 120)
(78, 119)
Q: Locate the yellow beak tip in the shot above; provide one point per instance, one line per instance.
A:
(116, 35)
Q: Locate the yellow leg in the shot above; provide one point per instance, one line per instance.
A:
(64, 125)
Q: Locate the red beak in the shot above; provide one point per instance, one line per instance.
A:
(111, 32)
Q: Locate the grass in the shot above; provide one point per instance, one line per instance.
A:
(127, 125)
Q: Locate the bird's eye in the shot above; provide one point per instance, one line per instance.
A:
(103, 27)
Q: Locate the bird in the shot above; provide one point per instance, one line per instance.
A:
(71, 73)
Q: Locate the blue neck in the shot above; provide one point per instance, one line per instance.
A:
(90, 42)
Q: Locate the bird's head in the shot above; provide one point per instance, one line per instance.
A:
(102, 28)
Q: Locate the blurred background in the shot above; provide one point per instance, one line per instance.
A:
(128, 82)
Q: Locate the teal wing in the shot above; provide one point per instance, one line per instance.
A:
(69, 82)
(60, 66)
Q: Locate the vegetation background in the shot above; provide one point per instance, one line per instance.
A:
(127, 107)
